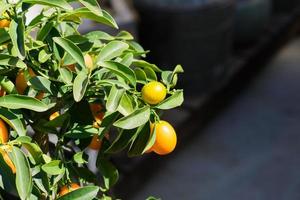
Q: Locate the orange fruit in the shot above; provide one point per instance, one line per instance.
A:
(98, 114)
(68, 188)
(3, 132)
(154, 92)
(96, 143)
(7, 160)
(71, 67)
(54, 115)
(4, 23)
(166, 138)
(21, 82)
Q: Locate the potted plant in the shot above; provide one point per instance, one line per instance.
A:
(63, 93)
(195, 33)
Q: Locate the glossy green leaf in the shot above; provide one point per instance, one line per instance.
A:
(127, 59)
(13, 121)
(56, 3)
(78, 132)
(34, 150)
(72, 49)
(108, 171)
(80, 85)
(25, 102)
(111, 50)
(121, 70)
(93, 6)
(16, 32)
(44, 31)
(114, 98)
(66, 75)
(126, 106)
(145, 64)
(42, 84)
(23, 174)
(98, 35)
(173, 101)
(8, 60)
(80, 157)
(44, 56)
(4, 36)
(124, 35)
(83, 193)
(7, 85)
(122, 141)
(54, 167)
(135, 119)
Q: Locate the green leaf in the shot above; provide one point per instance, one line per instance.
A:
(150, 73)
(54, 167)
(21, 101)
(124, 35)
(127, 59)
(140, 75)
(4, 36)
(44, 56)
(16, 32)
(84, 193)
(135, 119)
(98, 35)
(7, 85)
(72, 49)
(42, 84)
(80, 158)
(121, 70)
(56, 3)
(114, 98)
(8, 60)
(145, 64)
(13, 121)
(86, 13)
(111, 50)
(141, 141)
(121, 142)
(23, 175)
(172, 102)
(66, 75)
(34, 150)
(93, 6)
(80, 132)
(44, 31)
(126, 106)
(108, 171)
(80, 84)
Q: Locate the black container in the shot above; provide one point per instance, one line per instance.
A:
(189, 32)
(251, 18)
(284, 6)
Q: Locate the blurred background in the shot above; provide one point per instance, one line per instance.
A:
(239, 128)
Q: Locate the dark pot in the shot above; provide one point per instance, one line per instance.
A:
(251, 18)
(281, 6)
(195, 34)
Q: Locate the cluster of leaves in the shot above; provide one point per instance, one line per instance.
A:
(47, 45)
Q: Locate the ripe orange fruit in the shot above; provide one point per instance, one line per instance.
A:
(97, 111)
(3, 132)
(166, 138)
(7, 160)
(54, 115)
(68, 188)
(154, 92)
(88, 61)
(21, 82)
(4, 23)
(96, 143)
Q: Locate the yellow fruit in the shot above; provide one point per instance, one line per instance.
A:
(154, 92)
(3, 132)
(166, 138)
(68, 188)
(97, 111)
(54, 115)
(4, 23)
(88, 61)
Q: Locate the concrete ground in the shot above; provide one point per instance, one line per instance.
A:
(251, 151)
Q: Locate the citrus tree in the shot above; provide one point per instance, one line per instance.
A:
(63, 93)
